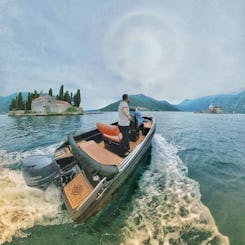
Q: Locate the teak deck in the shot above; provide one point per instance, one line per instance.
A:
(100, 154)
(77, 191)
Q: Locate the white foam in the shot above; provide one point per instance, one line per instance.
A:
(22, 207)
(169, 204)
(8, 158)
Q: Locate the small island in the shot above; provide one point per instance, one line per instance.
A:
(217, 109)
(213, 109)
(40, 104)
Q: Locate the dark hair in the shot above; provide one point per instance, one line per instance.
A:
(125, 96)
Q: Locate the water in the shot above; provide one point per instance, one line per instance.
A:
(190, 190)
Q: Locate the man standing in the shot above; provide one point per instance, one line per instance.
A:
(124, 121)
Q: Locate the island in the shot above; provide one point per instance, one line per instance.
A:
(40, 104)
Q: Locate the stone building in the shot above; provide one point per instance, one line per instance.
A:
(48, 104)
(215, 109)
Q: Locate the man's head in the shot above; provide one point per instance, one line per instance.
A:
(125, 98)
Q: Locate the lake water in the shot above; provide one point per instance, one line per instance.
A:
(190, 189)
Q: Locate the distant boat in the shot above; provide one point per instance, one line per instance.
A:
(90, 166)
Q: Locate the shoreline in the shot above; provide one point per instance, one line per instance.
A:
(46, 114)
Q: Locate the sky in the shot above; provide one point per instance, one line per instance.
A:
(169, 50)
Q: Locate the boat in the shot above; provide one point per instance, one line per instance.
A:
(90, 166)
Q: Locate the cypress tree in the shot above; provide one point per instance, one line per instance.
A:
(71, 98)
(77, 98)
(50, 92)
(12, 105)
(61, 92)
(36, 95)
(67, 96)
(20, 102)
(29, 100)
(74, 99)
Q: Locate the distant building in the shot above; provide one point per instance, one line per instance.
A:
(47, 104)
(215, 109)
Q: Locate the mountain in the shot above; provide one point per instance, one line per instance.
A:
(6, 101)
(234, 102)
(143, 101)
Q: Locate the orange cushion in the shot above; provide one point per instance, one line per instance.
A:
(108, 129)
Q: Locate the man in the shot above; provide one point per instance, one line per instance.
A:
(124, 121)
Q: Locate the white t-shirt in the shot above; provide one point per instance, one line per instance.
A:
(123, 120)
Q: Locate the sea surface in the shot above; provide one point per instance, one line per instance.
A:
(190, 188)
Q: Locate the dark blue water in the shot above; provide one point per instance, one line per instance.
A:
(191, 190)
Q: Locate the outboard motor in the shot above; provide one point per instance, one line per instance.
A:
(39, 171)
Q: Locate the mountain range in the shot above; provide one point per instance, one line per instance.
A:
(233, 102)
(6, 101)
(143, 101)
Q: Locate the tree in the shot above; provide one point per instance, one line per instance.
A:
(67, 97)
(28, 102)
(71, 98)
(50, 92)
(12, 105)
(20, 102)
(36, 95)
(61, 92)
(77, 98)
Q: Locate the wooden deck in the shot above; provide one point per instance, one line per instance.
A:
(77, 191)
(100, 154)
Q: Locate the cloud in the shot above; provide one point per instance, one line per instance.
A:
(168, 50)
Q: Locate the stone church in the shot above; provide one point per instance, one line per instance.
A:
(48, 104)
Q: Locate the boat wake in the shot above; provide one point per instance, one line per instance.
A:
(167, 208)
(23, 207)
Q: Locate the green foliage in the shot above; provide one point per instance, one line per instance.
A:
(50, 92)
(67, 97)
(20, 103)
(28, 102)
(77, 98)
(74, 109)
(61, 92)
(12, 105)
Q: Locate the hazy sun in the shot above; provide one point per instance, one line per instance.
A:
(139, 46)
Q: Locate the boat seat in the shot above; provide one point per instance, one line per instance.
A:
(117, 138)
(99, 153)
(112, 137)
(110, 131)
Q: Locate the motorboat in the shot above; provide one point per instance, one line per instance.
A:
(90, 166)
